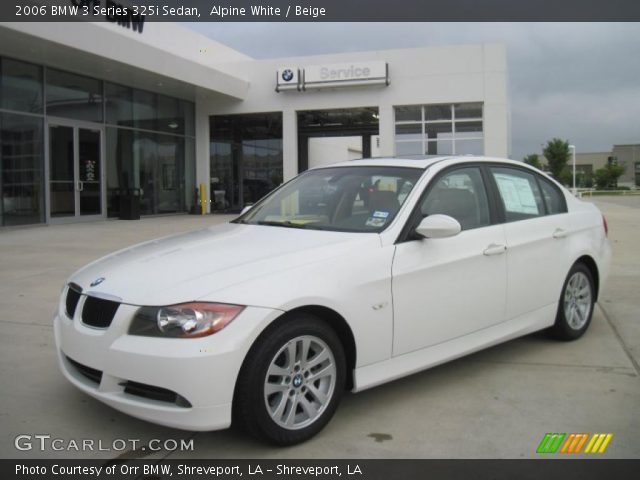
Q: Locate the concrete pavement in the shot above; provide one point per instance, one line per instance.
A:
(494, 404)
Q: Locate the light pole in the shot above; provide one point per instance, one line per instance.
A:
(573, 155)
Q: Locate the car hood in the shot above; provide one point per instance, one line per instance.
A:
(194, 265)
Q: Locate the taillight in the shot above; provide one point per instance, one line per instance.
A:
(605, 225)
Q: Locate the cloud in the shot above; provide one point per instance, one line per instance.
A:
(579, 81)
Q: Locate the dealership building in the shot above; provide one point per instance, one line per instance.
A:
(92, 113)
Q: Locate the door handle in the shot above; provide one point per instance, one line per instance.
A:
(559, 233)
(495, 249)
(80, 186)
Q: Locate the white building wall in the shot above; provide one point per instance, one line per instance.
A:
(166, 57)
(469, 73)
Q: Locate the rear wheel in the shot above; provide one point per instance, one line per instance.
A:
(291, 382)
(575, 308)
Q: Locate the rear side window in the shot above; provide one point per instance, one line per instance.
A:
(460, 194)
(519, 192)
(553, 198)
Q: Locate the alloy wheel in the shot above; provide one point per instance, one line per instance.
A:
(577, 300)
(300, 382)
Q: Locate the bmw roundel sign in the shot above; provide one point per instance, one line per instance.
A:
(287, 79)
(287, 75)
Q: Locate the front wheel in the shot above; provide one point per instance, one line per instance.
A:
(291, 382)
(576, 304)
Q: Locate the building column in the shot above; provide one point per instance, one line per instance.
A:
(387, 130)
(289, 145)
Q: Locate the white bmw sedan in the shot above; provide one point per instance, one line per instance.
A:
(346, 277)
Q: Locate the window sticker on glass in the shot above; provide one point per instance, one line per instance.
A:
(517, 194)
(380, 214)
(458, 181)
(382, 183)
(375, 222)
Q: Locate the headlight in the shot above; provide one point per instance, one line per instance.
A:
(187, 320)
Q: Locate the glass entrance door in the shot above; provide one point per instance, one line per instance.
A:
(75, 172)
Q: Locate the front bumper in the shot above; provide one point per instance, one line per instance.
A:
(180, 383)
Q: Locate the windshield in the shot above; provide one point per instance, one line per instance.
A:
(348, 199)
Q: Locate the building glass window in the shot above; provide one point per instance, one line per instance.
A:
(409, 114)
(149, 141)
(119, 104)
(161, 166)
(442, 129)
(120, 169)
(73, 96)
(188, 115)
(20, 86)
(144, 110)
(246, 158)
(21, 165)
(169, 115)
(139, 156)
(128, 107)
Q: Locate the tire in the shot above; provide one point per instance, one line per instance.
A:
(575, 307)
(284, 396)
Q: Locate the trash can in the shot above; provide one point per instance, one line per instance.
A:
(130, 204)
(195, 205)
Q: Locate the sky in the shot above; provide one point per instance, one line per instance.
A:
(576, 81)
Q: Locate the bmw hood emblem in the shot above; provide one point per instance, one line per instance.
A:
(97, 281)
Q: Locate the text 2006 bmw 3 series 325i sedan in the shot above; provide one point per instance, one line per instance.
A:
(346, 277)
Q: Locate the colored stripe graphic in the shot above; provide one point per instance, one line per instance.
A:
(550, 442)
(598, 443)
(574, 442)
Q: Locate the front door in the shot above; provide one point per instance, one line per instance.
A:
(445, 288)
(75, 172)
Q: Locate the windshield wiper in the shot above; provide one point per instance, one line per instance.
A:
(286, 224)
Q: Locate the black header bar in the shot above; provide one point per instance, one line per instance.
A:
(321, 10)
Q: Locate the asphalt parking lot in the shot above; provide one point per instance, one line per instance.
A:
(494, 404)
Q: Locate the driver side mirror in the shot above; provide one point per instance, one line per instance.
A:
(246, 208)
(438, 226)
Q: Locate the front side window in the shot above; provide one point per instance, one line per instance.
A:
(519, 193)
(460, 194)
(349, 199)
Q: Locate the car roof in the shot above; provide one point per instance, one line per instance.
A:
(417, 161)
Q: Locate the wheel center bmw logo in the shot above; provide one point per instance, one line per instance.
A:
(297, 381)
(97, 281)
(287, 75)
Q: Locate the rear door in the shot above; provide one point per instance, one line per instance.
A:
(537, 231)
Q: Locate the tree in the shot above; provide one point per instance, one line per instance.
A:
(557, 153)
(584, 179)
(615, 172)
(607, 176)
(533, 159)
(566, 176)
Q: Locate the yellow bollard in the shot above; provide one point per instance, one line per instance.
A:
(203, 205)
